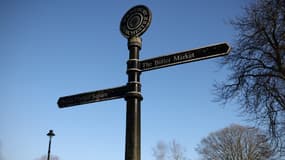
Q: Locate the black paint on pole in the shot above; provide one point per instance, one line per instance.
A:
(50, 134)
(133, 98)
(133, 24)
(48, 156)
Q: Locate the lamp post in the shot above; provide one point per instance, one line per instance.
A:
(50, 134)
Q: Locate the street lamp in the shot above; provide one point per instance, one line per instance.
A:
(50, 134)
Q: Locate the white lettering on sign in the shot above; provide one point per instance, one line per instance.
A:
(162, 61)
(183, 57)
(146, 64)
(99, 95)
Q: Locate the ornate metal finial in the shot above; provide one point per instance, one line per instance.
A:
(136, 21)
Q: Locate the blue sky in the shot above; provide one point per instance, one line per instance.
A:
(50, 49)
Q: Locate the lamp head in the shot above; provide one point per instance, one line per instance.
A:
(50, 133)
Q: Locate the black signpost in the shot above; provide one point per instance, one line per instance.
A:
(133, 24)
(91, 97)
(185, 57)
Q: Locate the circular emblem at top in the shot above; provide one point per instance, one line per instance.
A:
(136, 21)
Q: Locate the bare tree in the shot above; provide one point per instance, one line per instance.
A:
(236, 143)
(173, 151)
(177, 151)
(160, 151)
(257, 64)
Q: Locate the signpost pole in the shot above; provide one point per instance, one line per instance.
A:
(133, 98)
(133, 24)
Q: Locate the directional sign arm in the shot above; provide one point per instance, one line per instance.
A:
(185, 57)
(90, 97)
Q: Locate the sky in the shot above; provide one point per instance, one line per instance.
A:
(55, 48)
